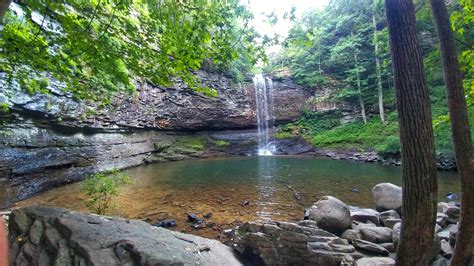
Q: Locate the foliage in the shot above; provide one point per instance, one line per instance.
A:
(100, 188)
(97, 48)
(357, 135)
(389, 147)
(311, 123)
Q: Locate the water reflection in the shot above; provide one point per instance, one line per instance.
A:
(266, 187)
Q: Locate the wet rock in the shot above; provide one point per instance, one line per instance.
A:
(331, 214)
(229, 232)
(376, 234)
(192, 217)
(71, 239)
(387, 196)
(245, 203)
(306, 214)
(375, 261)
(355, 190)
(166, 223)
(370, 247)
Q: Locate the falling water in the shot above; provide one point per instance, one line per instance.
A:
(265, 118)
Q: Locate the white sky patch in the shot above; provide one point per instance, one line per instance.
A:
(261, 8)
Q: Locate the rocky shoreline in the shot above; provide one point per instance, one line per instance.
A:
(443, 162)
(331, 233)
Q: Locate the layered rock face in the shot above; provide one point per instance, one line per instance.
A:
(46, 236)
(49, 140)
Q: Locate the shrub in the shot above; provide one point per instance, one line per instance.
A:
(390, 147)
(100, 188)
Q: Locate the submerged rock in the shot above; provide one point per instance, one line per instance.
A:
(331, 214)
(166, 223)
(387, 196)
(88, 239)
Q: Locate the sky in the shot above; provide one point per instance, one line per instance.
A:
(261, 7)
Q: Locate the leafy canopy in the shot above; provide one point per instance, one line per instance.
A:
(99, 47)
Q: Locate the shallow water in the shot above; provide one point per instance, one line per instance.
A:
(276, 187)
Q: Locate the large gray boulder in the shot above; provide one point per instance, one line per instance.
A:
(47, 236)
(376, 234)
(284, 243)
(331, 214)
(387, 196)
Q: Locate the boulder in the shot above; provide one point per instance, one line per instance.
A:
(396, 233)
(390, 214)
(350, 235)
(364, 215)
(375, 261)
(387, 196)
(376, 234)
(446, 232)
(391, 222)
(285, 243)
(441, 219)
(331, 214)
(453, 213)
(440, 262)
(446, 249)
(89, 239)
(370, 247)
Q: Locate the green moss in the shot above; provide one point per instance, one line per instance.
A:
(191, 142)
(283, 135)
(221, 143)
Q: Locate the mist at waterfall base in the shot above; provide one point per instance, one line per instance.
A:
(265, 114)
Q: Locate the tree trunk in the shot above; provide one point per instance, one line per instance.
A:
(4, 4)
(461, 132)
(361, 101)
(377, 67)
(416, 137)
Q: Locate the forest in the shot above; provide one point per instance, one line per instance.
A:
(164, 132)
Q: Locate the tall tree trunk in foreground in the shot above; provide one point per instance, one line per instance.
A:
(361, 101)
(4, 4)
(377, 66)
(416, 137)
(461, 132)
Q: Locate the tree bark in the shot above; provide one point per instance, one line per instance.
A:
(461, 132)
(416, 136)
(4, 4)
(377, 67)
(361, 101)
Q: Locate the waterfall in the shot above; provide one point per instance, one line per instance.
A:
(265, 117)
